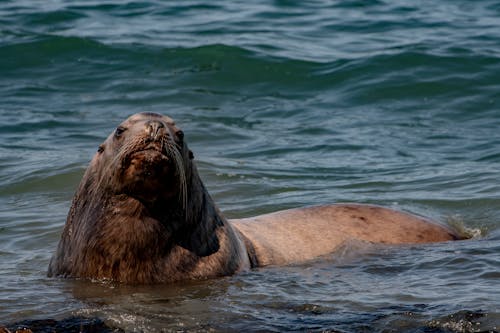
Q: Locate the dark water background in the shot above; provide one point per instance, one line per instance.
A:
(284, 104)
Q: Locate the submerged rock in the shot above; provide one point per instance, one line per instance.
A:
(68, 325)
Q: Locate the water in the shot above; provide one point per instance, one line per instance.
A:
(284, 104)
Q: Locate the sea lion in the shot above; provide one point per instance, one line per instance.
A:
(141, 214)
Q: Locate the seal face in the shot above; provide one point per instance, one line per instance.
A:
(142, 215)
(147, 151)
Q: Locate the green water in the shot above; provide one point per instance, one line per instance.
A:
(284, 104)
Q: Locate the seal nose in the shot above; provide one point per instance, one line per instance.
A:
(155, 128)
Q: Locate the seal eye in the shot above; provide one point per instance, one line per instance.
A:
(180, 135)
(119, 131)
(100, 149)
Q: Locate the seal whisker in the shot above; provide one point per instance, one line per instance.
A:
(173, 153)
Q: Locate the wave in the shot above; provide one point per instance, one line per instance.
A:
(397, 74)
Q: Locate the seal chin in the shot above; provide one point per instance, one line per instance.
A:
(148, 175)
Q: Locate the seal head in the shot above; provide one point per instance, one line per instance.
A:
(144, 157)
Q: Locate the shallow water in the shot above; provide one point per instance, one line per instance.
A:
(284, 105)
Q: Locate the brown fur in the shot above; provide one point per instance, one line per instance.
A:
(141, 214)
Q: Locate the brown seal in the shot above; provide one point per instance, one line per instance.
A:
(141, 214)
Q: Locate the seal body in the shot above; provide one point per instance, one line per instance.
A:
(300, 234)
(141, 214)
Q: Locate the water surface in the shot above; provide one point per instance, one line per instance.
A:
(284, 104)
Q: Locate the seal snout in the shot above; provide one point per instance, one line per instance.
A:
(155, 129)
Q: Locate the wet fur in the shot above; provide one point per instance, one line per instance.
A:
(174, 231)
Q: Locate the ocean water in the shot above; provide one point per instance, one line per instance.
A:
(285, 104)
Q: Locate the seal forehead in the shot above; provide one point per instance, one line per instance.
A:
(150, 116)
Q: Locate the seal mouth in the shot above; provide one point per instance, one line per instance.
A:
(151, 153)
(149, 163)
(150, 145)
